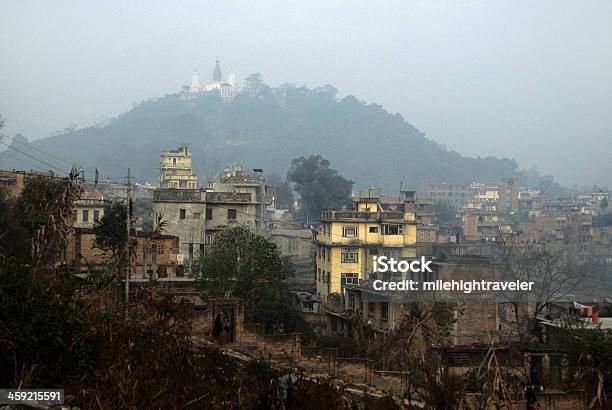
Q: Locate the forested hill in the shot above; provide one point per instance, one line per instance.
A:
(267, 128)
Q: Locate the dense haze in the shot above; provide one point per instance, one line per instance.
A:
(528, 80)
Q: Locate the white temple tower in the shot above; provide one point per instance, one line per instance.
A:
(195, 82)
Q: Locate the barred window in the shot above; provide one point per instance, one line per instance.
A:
(348, 279)
(349, 255)
(393, 229)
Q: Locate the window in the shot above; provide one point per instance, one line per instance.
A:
(348, 279)
(323, 253)
(173, 161)
(182, 213)
(349, 255)
(85, 215)
(373, 251)
(208, 240)
(384, 310)
(231, 214)
(393, 230)
(373, 229)
(349, 231)
(209, 214)
(196, 215)
(393, 253)
(371, 308)
(96, 215)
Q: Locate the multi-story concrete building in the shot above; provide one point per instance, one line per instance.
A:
(196, 215)
(231, 208)
(175, 169)
(348, 240)
(184, 211)
(89, 208)
(236, 196)
(509, 195)
(482, 196)
(454, 194)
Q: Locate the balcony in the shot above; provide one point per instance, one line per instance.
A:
(356, 216)
(242, 180)
(349, 215)
(228, 197)
(91, 203)
(177, 195)
(170, 167)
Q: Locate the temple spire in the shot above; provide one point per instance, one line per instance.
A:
(217, 77)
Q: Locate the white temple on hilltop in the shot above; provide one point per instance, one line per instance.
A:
(226, 89)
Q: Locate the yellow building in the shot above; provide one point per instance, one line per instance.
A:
(175, 169)
(348, 240)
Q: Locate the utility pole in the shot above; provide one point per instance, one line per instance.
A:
(127, 242)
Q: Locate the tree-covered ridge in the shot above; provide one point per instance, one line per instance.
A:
(267, 128)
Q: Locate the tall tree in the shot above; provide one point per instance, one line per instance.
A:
(242, 264)
(14, 238)
(553, 274)
(46, 210)
(320, 187)
(111, 233)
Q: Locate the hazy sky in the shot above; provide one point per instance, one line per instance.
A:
(530, 80)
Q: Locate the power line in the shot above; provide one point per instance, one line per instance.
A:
(22, 160)
(72, 164)
(37, 169)
(37, 149)
(34, 158)
(111, 183)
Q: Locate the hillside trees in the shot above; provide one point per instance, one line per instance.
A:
(267, 128)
